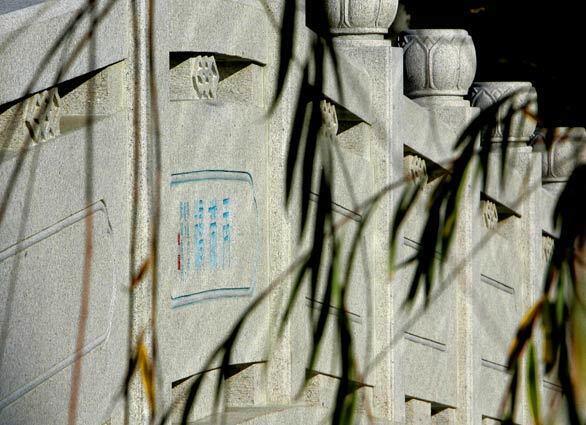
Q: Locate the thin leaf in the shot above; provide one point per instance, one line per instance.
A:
(293, 295)
(146, 374)
(138, 277)
(296, 133)
(511, 400)
(287, 46)
(191, 397)
(345, 399)
(315, 122)
(566, 380)
(524, 333)
(322, 216)
(408, 199)
(533, 385)
(326, 301)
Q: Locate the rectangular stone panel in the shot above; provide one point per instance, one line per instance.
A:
(496, 314)
(214, 231)
(41, 294)
(217, 228)
(420, 320)
(502, 257)
(495, 380)
(497, 294)
(430, 369)
(358, 302)
(49, 279)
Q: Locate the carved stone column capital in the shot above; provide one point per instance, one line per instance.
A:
(520, 108)
(369, 18)
(438, 62)
(565, 151)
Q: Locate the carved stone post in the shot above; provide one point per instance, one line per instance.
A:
(439, 68)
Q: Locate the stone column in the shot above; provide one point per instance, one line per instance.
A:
(358, 27)
(558, 156)
(439, 66)
(515, 124)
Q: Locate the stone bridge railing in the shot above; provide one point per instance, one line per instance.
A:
(225, 234)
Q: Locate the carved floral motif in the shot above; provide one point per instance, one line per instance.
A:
(329, 127)
(205, 77)
(42, 115)
(490, 215)
(415, 169)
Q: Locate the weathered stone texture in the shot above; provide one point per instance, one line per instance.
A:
(84, 139)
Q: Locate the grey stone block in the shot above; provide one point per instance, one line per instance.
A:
(216, 26)
(446, 416)
(418, 412)
(35, 29)
(42, 297)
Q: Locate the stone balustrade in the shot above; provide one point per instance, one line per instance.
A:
(225, 235)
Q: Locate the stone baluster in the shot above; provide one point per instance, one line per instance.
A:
(439, 65)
